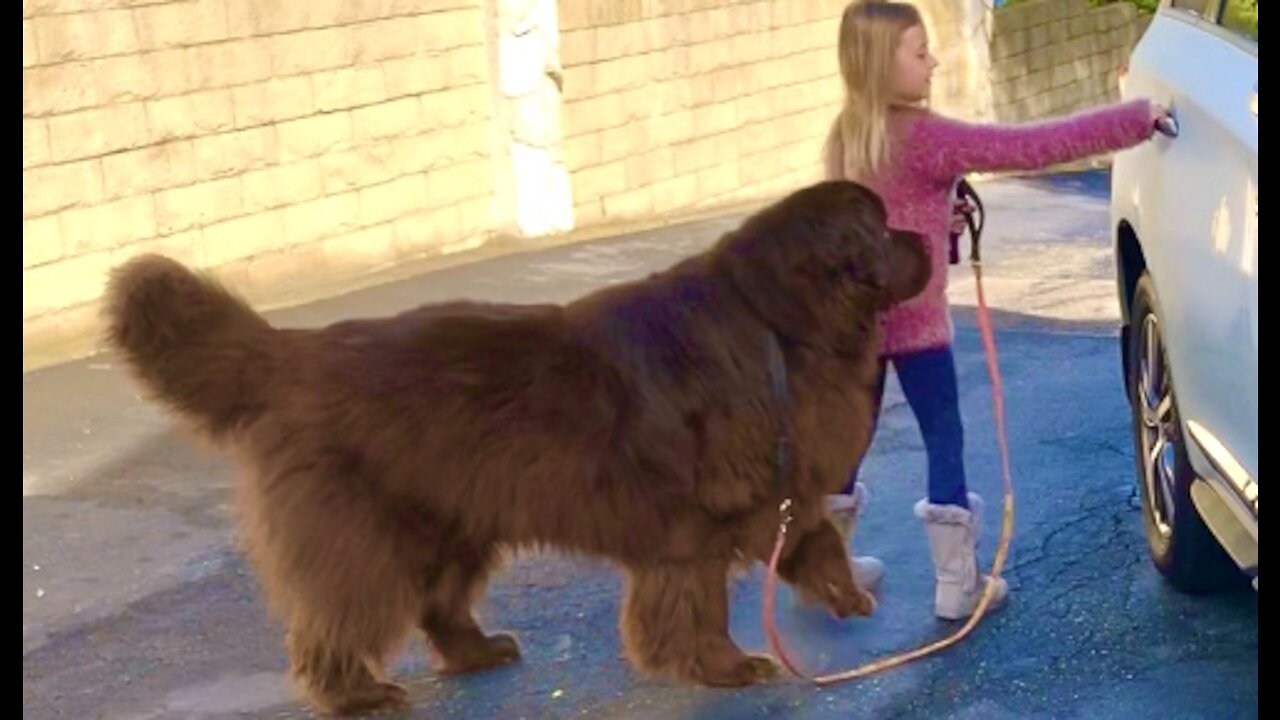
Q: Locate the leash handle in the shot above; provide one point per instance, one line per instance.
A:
(973, 207)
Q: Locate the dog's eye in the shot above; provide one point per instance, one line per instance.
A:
(844, 273)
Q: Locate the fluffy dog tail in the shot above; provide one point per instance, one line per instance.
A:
(193, 345)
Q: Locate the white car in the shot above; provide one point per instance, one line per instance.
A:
(1184, 209)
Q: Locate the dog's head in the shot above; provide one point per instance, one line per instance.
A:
(819, 264)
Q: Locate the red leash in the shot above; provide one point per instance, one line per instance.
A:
(1006, 530)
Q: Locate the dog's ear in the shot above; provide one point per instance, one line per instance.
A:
(908, 264)
(756, 264)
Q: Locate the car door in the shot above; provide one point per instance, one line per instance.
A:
(1198, 221)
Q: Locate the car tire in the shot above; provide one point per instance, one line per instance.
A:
(1182, 547)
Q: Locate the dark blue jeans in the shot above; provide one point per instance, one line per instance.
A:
(928, 379)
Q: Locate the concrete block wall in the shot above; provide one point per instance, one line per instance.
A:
(277, 142)
(1050, 57)
(679, 105)
(685, 104)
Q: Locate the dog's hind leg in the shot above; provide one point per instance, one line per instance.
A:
(337, 577)
(450, 588)
(337, 679)
(675, 622)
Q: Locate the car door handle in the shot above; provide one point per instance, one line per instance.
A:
(1168, 125)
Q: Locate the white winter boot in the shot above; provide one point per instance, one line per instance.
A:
(953, 535)
(843, 510)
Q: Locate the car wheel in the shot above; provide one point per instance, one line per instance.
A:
(1182, 548)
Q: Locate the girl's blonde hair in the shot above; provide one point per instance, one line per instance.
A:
(858, 144)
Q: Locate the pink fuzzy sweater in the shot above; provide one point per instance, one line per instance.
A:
(929, 153)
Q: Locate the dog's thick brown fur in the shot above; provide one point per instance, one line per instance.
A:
(386, 463)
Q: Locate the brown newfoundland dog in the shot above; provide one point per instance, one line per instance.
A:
(387, 463)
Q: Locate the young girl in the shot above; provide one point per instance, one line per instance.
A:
(885, 138)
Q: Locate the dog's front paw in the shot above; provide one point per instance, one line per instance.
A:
(503, 648)
(748, 670)
(494, 651)
(374, 699)
(849, 601)
(841, 599)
